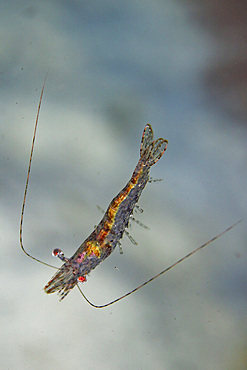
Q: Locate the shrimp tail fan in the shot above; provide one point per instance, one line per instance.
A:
(151, 150)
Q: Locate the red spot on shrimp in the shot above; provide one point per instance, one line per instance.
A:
(81, 279)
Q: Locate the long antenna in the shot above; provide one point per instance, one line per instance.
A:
(162, 272)
(27, 182)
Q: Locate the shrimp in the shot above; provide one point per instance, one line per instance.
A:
(108, 233)
(103, 240)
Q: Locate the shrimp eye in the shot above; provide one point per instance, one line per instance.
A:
(58, 253)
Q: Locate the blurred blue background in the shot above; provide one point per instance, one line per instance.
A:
(113, 67)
